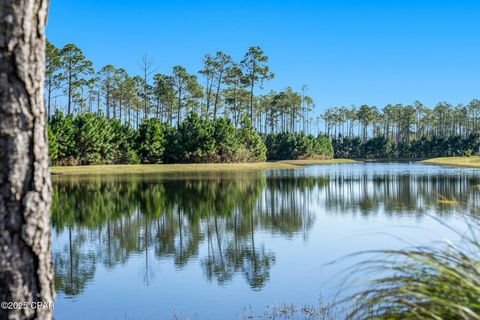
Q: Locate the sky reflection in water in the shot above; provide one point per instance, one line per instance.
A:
(140, 247)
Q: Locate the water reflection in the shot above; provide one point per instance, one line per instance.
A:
(107, 220)
(221, 221)
(402, 190)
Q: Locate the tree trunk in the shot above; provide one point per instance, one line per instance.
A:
(179, 105)
(107, 100)
(120, 109)
(145, 87)
(216, 97)
(89, 104)
(251, 100)
(98, 101)
(26, 271)
(49, 99)
(209, 92)
(137, 116)
(69, 103)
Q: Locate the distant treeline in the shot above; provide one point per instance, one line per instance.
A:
(379, 147)
(404, 131)
(92, 138)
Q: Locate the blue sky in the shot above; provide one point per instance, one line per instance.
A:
(347, 52)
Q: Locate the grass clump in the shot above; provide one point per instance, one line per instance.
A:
(290, 311)
(440, 282)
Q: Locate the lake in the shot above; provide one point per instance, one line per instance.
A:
(219, 245)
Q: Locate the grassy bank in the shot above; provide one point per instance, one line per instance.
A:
(196, 167)
(471, 162)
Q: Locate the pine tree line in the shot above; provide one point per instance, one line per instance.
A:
(404, 123)
(223, 87)
(404, 131)
(92, 138)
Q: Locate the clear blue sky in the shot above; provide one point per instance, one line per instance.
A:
(346, 51)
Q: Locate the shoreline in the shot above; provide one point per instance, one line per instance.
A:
(465, 162)
(110, 169)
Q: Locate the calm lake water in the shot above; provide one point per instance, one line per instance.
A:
(212, 246)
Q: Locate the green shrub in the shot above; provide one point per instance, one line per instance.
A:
(127, 157)
(195, 139)
(376, 148)
(64, 131)
(255, 149)
(151, 141)
(52, 145)
(124, 142)
(287, 145)
(324, 146)
(91, 138)
(227, 144)
(172, 150)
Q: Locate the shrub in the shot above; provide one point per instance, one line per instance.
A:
(251, 141)
(324, 146)
(64, 131)
(151, 141)
(52, 145)
(195, 139)
(375, 148)
(288, 145)
(172, 150)
(227, 144)
(92, 139)
(124, 142)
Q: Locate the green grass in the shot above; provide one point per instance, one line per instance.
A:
(439, 282)
(313, 162)
(471, 162)
(187, 168)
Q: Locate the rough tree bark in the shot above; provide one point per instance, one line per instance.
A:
(26, 271)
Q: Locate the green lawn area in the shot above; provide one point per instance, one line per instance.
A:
(472, 162)
(197, 167)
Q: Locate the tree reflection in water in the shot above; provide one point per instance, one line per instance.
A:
(108, 219)
(402, 193)
(218, 219)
